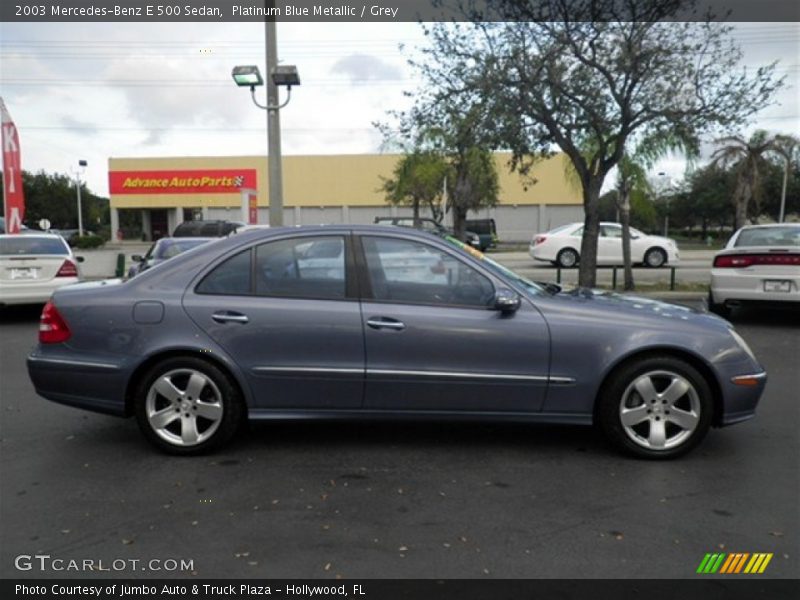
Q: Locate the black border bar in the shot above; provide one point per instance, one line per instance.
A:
(707, 588)
(211, 11)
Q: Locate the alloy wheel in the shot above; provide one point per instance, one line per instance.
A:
(660, 410)
(184, 407)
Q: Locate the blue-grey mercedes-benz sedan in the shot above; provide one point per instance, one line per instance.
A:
(382, 322)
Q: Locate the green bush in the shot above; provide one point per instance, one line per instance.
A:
(87, 241)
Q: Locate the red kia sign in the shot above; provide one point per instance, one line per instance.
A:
(13, 196)
(195, 181)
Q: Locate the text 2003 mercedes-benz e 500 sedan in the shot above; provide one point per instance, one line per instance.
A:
(379, 322)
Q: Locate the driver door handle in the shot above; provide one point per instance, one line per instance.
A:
(226, 316)
(385, 323)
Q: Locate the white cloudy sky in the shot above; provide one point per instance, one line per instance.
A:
(94, 91)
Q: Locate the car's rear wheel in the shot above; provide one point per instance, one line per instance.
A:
(186, 405)
(657, 407)
(655, 257)
(567, 258)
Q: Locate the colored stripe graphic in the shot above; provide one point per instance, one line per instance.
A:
(741, 562)
(724, 563)
(711, 563)
(703, 563)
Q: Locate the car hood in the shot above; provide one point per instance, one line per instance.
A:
(662, 240)
(632, 307)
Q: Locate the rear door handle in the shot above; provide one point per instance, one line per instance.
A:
(224, 317)
(385, 323)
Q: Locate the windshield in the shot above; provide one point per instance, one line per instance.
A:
(497, 268)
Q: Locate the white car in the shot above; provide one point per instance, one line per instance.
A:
(561, 246)
(33, 266)
(760, 263)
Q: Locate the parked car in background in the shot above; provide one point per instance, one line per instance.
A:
(760, 264)
(561, 246)
(249, 227)
(486, 230)
(164, 249)
(70, 235)
(431, 226)
(216, 228)
(374, 322)
(33, 266)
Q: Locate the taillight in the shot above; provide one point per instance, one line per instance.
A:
(53, 328)
(539, 239)
(68, 269)
(742, 261)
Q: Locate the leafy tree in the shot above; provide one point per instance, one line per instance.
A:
(418, 181)
(579, 74)
(707, 200)
(749, 160)
(53, 197)
(457, 134)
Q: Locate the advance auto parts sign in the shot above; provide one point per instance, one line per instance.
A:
(203, 181)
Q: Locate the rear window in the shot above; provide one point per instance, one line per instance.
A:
(562, 228)
(24, 246)
(769, 236)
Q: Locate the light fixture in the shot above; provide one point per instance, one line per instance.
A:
(247, 76)
(285, 75)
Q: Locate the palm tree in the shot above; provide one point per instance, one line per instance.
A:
(748, 159)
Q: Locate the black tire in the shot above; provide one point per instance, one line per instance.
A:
(655, 258)
(568, 258)
(218, 394)
(619, 394)
(718, 309)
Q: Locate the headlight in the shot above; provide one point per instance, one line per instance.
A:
(743, 345)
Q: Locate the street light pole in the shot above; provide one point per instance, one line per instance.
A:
(284, 75)
(273, 127)
(81, 164)
(664, 177)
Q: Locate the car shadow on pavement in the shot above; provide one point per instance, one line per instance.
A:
(425, 436)
(769, 317)
(23, 313)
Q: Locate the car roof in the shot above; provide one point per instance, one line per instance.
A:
(179, 239)
(764, 225)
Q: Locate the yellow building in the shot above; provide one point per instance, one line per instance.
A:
(317, 190)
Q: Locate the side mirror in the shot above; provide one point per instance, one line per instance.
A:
(80, 259)
(137, 258)
(506, 301)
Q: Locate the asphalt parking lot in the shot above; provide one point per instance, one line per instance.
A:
(400, 500)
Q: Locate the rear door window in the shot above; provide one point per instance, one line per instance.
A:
(307, 267)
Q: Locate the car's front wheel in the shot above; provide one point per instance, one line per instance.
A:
(186, 405)
(656, 407)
